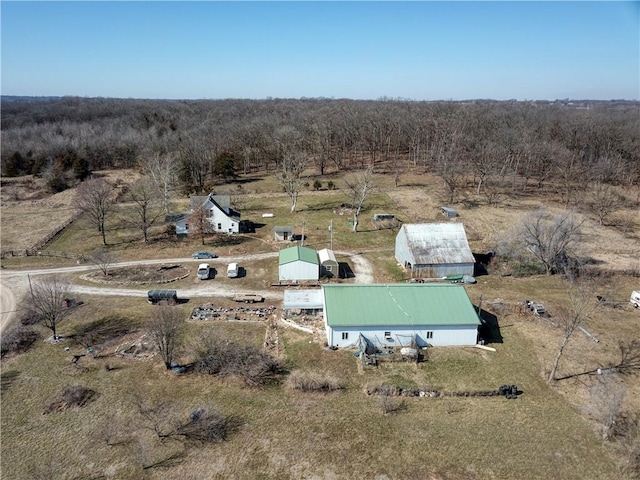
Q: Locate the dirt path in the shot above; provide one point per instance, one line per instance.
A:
(15, 283)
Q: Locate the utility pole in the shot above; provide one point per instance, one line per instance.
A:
(302, 239)
(331, 234)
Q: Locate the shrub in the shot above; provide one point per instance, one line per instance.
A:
(216, 356)
(71, 396)
(331, 185)
(313, 382)
(17, 339)
(205, 427)
(317, 185)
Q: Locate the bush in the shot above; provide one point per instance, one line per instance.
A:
(317, 185)
(216, 356)
(313, 382)
(71, 396)
(17, 339)
(331, 185)
(205, 427)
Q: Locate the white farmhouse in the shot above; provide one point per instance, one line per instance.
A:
(222, 217)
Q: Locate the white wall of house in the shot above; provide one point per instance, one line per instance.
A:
(222, 223)
(298, 271)
(437, 336)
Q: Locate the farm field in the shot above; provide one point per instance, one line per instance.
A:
(281, 433)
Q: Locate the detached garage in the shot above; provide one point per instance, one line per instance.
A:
(437, 314)
(298, 264)
(434, 250)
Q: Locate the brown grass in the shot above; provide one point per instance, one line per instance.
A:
(289, 434)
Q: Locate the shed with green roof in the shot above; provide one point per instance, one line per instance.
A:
(298, 264)
(434, 314)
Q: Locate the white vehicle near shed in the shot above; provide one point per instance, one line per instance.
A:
(635, 298)
(233, 270)
(204, 271)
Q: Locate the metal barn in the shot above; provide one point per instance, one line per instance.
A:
(298, 264)
(434, 250)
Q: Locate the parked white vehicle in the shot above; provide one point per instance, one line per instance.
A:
(203, 271)
(635, 298)
(233, 270)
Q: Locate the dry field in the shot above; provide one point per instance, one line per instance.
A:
(548, 432)
(28, 214)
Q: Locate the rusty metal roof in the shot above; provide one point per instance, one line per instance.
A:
(438, 243)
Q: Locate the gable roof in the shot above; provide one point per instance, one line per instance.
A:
(402, 304)
(223, 201)
(438, 243)
(293, 254)
(281, 229)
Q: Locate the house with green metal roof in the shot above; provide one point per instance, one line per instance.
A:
(428, 314)
(298, 264)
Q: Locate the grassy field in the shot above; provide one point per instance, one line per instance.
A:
(284, 434)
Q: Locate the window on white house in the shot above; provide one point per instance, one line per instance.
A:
(219, 226)
(345, 335)
(429, 334)
(387, 334)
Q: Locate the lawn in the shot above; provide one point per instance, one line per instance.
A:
(285, 434)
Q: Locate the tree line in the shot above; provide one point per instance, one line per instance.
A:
(495, 145)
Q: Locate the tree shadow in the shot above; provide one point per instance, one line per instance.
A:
(489, 330)
(7, 379)
(482, 261)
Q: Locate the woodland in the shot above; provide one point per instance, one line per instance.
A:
(498, 147)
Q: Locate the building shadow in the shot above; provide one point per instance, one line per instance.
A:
(489, 330)
(344, 270)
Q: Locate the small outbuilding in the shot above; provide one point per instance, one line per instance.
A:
(434, 250)
(307, 301)
(329, 266)
(448, 212)
(283, 233)
(429, 314)
(298, 264)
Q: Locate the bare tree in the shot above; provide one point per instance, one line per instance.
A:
(549, 238)
(48, 297)
(94, 198)
(161, 169)
(581, 305)
(200, 223)
(102, 259)
(165, 328)
(146, 206)
(606, 401)
(603, 200)
(290, 177)
(359, 190)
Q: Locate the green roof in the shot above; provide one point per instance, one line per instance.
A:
(293, 254)
(402, 304)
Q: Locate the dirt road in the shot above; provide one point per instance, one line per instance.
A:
(15, 283)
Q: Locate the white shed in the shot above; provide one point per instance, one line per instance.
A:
(434, 250)
(298, 264)
(328, 264)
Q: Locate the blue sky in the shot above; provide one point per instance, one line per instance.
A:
(361, 50)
